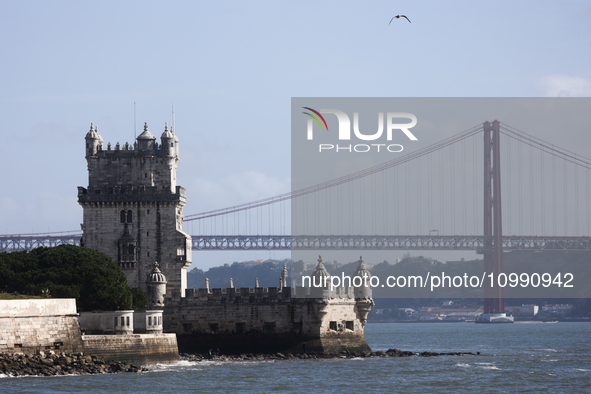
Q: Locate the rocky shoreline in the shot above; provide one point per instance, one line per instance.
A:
(290, 356)
(50, 364)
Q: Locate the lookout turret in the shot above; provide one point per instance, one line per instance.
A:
(146, 141)
(320, 277)
(156, 288)
(168, 142)
(363, 293)
(94, 142)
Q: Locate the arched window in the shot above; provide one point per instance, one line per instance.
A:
(122, 217)
(129, 217)
(131, 250)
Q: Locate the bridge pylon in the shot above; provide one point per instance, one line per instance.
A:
(494, 303)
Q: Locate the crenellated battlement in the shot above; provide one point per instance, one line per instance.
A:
(129, 193)
(257, 295)
(129, 150)
(143, 163)
(233, 295)
(145, 145)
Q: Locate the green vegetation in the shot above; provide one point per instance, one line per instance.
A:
(68, 271)
(139, 299)
(8, 296)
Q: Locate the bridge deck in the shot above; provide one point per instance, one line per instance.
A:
(334, 242)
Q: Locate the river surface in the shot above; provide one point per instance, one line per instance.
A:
(524, 357)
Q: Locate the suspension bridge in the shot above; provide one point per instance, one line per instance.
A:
(546, 192)
(419, 201)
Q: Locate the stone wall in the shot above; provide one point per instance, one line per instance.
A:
(107, 322)
(155, 231)
(263, 320)
(139, 349)
(30, 326)
(147, 322)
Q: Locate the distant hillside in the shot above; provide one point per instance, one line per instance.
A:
(269, 271)
(243, 274)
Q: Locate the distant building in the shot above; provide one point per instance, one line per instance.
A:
(529, 310)
(557, 308)
(512, 310)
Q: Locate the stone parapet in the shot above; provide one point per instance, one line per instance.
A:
(230, 295)
(147, 322)
(259, 295)
(139, 349)
(130, 194)
(107, 322)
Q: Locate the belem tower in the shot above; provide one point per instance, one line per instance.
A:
(133, 212)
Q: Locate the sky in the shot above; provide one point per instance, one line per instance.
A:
(231, 69)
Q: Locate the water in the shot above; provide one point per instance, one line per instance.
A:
(527, 358)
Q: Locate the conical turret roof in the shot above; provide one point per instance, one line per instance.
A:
(320, 270)
(167, 133)
(156, 276)
(93, 133)
(146, 135)
(362, 270)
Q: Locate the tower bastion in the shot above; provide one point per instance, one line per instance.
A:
(253, 320)
(132, 211)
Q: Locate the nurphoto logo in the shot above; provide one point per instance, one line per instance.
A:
(344, 132)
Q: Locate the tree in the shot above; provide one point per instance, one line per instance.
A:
(68, 271)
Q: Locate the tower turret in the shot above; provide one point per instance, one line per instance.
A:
(146, 141)
(94, 142)
(363, 293)
(167, 142)
(320, 281)
(320, 276)
(283, 277)
(176, 142)
(156, 288)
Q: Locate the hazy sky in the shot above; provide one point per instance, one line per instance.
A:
(231, 69)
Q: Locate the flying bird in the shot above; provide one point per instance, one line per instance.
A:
(399, 16)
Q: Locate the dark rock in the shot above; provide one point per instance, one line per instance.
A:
(49, 364)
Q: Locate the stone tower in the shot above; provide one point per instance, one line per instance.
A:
(133, 207)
